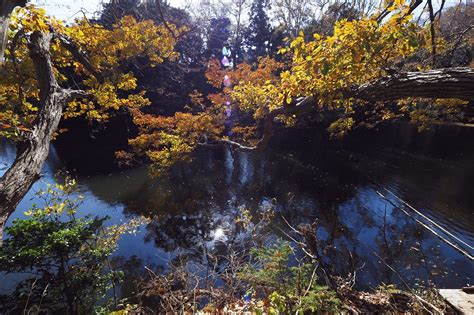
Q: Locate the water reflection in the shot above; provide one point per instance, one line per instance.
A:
(194, 208)
(197, 203)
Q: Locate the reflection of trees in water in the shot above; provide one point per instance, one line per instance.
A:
(204, 262)
(439, 187)
(410, 249)
(134, 270)
(172, 232)
(196, 199)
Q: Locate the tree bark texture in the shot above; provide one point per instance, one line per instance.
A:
(6, 9)
(32, 152)
(439, 83)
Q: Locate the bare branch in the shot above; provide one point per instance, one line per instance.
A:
(79, 56)
(73, 94)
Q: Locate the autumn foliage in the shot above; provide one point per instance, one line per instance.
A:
(241, 100)
(357, 52)
(108, 52)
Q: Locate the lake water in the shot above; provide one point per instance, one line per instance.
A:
(303, 179)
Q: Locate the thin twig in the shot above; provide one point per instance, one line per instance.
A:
(453, 245)
(422, 301)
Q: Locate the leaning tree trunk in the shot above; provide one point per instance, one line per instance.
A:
(434, 84)
(438, 83)
(32, 152)
(6, 9)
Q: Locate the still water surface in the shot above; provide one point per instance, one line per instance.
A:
(337, 186)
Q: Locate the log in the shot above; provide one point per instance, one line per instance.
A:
(436, 84)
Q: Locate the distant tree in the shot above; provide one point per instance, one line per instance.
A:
(218, 35)
(236, 10)
(294, 14)
(259, 30)
(188, 68)
(207, 14)
(334, 12)
(113, 11)
(277, 40)
(456, 27)
(157, 10)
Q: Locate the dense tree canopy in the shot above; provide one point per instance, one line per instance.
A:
(259, 31)
(334, 70)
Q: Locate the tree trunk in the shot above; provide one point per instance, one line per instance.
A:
(5, 11)
(439, 83)
(32, 152)
(436, 84)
